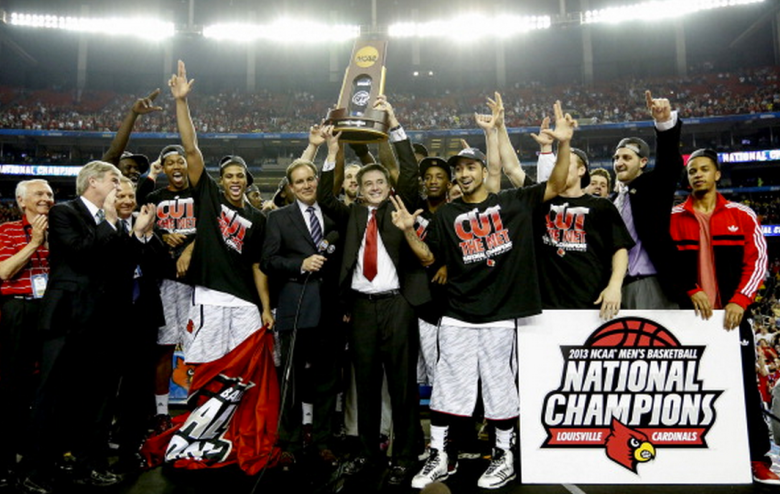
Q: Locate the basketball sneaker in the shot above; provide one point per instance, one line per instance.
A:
(762, 473)
(436, 468)
(500, 471)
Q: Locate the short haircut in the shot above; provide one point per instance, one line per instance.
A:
(298, 164)
(353, 165)
(96, 170)
(125, 180)
(21, 187)
(373, 167)
(601, 172)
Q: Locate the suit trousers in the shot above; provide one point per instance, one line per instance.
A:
(20, 349)
(313, 378)
(383, 339)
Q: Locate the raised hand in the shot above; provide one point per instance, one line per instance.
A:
(541, 138)
(180, 86)
(497, 109)
(660, 108)
(155, 169)
(564, 125)
(142, 106)
(145, 220)
(485, 122)
(332, 139)
(382, 104)
(315, 134)
(402, 218)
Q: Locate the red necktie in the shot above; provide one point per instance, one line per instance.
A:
(369, 253)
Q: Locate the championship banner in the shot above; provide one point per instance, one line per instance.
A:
(234, 404)
(651, 397)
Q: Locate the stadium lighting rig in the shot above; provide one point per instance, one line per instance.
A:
(146, 28)
(664, 9)
(284, 30)
(470, 27)
(464, 28)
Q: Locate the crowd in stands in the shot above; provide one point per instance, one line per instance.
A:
(705, 94)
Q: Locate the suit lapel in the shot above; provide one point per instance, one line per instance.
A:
(299, 221)
(79, 206)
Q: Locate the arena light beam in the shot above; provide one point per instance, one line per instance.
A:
(650, 11)
(471, 27)
(140, 27)
(283, 30)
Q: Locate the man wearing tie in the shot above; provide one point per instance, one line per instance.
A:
(380, 283)
(77, 321)
(304, 281)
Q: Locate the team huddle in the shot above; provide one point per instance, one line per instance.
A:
(372, 276)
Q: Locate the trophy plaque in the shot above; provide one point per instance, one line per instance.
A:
(355, 116)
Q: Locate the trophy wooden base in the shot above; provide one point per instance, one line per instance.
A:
(370, 127)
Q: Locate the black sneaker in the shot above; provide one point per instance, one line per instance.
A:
(98, 478)
(33, 485)
(398, 475)
(356, 466)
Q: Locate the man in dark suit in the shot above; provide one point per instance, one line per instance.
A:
(380, 282)
(78, 317)
(304, 281)
(140, 314)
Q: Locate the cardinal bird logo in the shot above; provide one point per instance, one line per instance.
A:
(627, 446)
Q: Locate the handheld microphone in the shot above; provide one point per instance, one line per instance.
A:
(326, 245)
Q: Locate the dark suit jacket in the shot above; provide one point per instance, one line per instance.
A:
(287, 243)
(82, 284)
(411, 275)
(652, 198)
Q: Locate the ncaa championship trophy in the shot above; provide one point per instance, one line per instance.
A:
(354, 116)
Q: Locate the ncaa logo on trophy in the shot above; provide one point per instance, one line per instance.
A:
(354, 115)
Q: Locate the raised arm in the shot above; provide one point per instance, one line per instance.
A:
(564, 130)
(142, 106)
(326, 198)
(488, 125)
(546, 161)
(180, 88)
(510, 163)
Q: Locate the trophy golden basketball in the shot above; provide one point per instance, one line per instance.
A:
(355, 116)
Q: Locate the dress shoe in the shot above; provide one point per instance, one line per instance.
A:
(33, 485)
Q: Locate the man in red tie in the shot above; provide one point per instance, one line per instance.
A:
(381, 282)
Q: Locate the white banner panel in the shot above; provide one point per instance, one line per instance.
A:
(652, 397)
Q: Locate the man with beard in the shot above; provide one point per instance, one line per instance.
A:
(486, 242)
(643, 200)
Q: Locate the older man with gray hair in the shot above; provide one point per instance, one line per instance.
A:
(78, 317)
(24, 268)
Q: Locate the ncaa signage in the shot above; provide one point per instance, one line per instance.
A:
(650, 397)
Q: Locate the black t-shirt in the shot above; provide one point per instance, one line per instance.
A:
(576, 239)
(229, 242)
(489, 252)
(175, 214)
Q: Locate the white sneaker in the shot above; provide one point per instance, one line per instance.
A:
(436, 468)
(500, 471)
